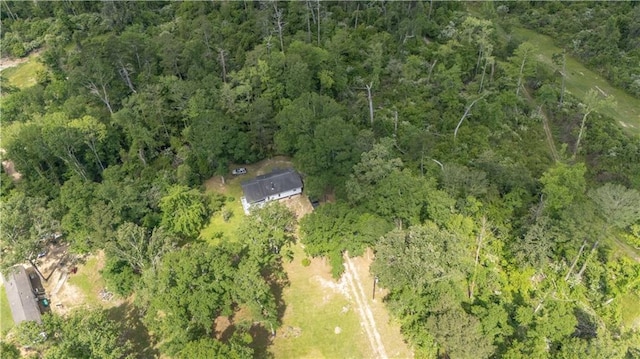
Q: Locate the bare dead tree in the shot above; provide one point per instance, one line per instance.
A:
(277, 16)
(125, 72)
(100, 90)
(310, 16)
(573, 264)
(318, 23)
(586, 261)
(395, 123)
(431, 70)
(479, 241)
(13, 16)
(466, 113)
(370, 99)
(564, 76)
(141, 156)
(355, 26)
(223, 64)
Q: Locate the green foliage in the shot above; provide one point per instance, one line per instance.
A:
(459, 334)
(334, 228)
(183, 211)
(418, 256)
(211, 348)
(601, 36)
(9, 351)
(617, 205)
(267, 233)
(193, 285)
(140, 103)
(119, 277)
(135, 246)
(25, 222)
(82, 334)
(563, 184)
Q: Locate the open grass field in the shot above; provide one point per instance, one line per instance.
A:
(319, 321)
(24, 74)
(6, 319)
(89, 281)
(580, 80)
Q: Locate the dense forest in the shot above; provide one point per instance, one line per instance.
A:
(419, 125)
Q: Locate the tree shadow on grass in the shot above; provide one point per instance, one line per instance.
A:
(262, 333)
(129, 318)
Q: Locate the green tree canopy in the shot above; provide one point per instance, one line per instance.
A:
(25, 224)
(184, 211)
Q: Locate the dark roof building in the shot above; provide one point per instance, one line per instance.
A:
(22, 299)
(280, 183)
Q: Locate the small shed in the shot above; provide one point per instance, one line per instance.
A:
(22, 298)
(278, 184)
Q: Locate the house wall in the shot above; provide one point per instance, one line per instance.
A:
(284, 194)
(247, 206)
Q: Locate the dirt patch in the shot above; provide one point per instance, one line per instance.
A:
(299, 205)
(6, 62)
(332, 287)
(57, 268)
(9, 167)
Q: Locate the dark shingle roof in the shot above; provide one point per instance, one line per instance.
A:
(22, 300)
(278, 181)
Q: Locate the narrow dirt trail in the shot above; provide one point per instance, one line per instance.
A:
(545, 125)
(364, 310)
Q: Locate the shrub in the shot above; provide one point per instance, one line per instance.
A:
(226, 214)
(119, 277)
(306, 262)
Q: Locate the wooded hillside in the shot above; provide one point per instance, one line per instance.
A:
(503, 210)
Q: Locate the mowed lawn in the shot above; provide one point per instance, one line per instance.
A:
(315, 307)
(6, 318)
(89, 281)
(580, 80)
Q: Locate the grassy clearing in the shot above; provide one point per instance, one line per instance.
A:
(89, 281)
(580, 80)
(24, 75)
(217, 225)
(6, 318)
(319, 321)
(630, 311)
(314, 310)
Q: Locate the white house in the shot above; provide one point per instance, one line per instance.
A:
(280, 183)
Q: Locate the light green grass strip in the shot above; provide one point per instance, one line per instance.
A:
(580, 80)
(6, 318)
